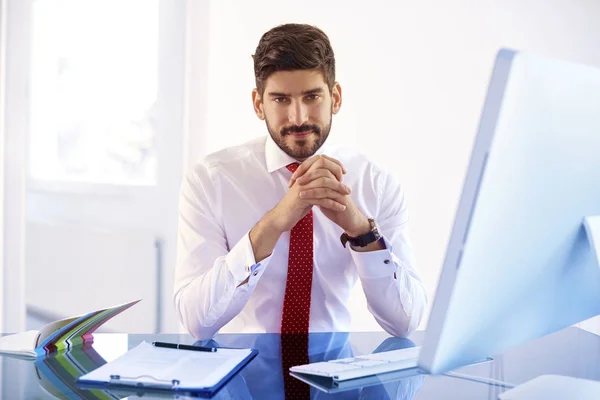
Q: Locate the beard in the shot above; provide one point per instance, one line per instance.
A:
(303, 148)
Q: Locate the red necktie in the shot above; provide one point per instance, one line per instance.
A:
(294, 351)
(296, 304)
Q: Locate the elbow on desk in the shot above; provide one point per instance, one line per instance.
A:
(412, 313)
(404, 324)
(192, 318)
(405, 328)
(398, 330)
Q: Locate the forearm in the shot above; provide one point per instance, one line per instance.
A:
(395, 294)
(213, 281)
(362, 227)
(397, 304)
(208, 298)
(264, 236)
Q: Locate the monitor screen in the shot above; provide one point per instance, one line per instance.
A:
(520, 262)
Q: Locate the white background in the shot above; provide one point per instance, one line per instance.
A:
(2, 145)
(12, 186)
(414, 77)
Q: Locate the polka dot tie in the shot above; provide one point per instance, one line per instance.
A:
(294, 351)
(296, 304)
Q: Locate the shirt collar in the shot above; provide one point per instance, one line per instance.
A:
(277, 158)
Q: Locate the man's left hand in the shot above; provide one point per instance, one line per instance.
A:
(351, 220)
(308, 176)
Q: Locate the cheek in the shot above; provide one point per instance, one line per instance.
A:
(276, 115)
(275, 121)
(321, 113)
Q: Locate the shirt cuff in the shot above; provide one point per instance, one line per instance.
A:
(241, 263)
(375, 264)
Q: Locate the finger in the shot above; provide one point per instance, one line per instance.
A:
(335, 168)
(318, 162)
(335, 161)
(325, 182)
(320, 193)
(328, 203)
(302, 168)
(305, 166)
(315, 174)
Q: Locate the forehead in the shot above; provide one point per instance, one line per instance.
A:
(294, 82)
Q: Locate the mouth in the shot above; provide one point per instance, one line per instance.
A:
(301, 135)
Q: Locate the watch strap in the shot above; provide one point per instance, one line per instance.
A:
(362, 240)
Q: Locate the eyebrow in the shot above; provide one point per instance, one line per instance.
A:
(306, 92)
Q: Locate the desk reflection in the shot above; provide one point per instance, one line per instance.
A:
(264, 379)
(261, 379)
(57, 374)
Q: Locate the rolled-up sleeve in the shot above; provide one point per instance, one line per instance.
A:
(395, 294)
(208, 275)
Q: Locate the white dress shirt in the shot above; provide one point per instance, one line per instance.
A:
(226, 194)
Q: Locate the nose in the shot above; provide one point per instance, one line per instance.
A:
(298, 113)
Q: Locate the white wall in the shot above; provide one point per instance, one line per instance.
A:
(13, 177)
(2, 147)
(414, 76)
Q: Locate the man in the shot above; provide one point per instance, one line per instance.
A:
(274, 233)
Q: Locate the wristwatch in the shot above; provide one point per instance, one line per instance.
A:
(362, 240)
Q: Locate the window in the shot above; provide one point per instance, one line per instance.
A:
(93, 91)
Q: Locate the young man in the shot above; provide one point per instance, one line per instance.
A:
(274, 233)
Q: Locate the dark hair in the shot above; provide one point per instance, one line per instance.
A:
(293, 47)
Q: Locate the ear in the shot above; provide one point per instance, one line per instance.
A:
(336, 95)
(258, 104)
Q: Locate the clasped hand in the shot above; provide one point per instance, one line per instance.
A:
(318, 182)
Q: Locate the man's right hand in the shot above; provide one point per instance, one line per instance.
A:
(323, 173)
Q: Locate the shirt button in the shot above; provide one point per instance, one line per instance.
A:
(255, 273)
(386, 262)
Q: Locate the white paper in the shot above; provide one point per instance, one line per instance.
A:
(152, 365)
(21, 344)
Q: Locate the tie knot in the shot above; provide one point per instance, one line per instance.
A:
(293, 167)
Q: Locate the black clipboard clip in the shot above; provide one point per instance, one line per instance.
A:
(133, 381)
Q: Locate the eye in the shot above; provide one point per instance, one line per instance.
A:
(312, 97)
(280, 99)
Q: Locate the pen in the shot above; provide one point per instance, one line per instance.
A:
(184, 347)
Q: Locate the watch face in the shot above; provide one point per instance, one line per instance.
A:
(377, 235)
(374, 228)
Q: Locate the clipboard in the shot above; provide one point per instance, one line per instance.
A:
(183, 371)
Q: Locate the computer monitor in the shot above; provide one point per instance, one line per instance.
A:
(520, 262)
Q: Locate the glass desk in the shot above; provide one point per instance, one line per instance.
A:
(571, 352)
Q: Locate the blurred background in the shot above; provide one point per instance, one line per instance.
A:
(105, 103)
